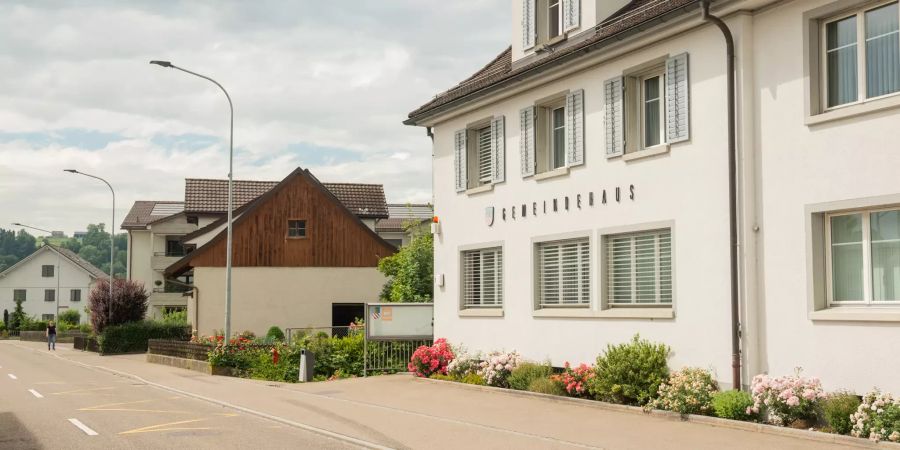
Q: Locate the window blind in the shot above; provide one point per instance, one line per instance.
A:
(483, 278)
(564, 276)
(639, 268)
(484, 155)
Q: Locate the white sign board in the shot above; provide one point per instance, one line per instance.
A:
(387, 321)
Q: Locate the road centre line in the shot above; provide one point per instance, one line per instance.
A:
(35, 393)
(83, 427)
(12, 376)
(168, 427)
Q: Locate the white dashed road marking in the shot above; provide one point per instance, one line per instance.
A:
(12, 376)
(83, 427)
(35, 393)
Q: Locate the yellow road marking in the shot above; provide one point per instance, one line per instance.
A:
(227, 414)
(51, 382)
(108, 407)
(161, 427)
(82, 391)
(89, 408)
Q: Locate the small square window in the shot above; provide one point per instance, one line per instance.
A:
(49, 295)
(296, 228)
(19, 295)
(47, 271)
(47, 317)
(75, 295)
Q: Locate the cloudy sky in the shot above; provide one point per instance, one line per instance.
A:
(322, 85)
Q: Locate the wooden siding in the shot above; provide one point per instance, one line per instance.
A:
(334, 236)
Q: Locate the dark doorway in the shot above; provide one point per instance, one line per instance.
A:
(343, 314)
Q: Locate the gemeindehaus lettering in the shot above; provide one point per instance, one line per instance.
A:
(557, 204)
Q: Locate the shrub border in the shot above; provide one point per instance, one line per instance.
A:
(808, 435)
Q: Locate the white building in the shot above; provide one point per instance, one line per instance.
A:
(582, 183)
(49, 274)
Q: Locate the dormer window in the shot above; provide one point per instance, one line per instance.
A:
(548, 21)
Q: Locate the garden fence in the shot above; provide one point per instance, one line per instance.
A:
(179, 349)
(390, 356)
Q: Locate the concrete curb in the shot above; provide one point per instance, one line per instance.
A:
(320, 431)
(808, 435)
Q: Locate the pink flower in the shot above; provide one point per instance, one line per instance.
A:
(793, 401)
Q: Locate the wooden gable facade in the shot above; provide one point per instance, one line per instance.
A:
(334, 236)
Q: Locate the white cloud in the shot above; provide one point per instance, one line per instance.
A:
(335, 75)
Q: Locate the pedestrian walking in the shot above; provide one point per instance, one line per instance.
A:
(51, 336)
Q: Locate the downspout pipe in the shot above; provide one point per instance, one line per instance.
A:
(732, 193)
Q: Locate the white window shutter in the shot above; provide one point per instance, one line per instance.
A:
(575, 128)
(614, 112)
(571, 14)
(498, 149)
(677, 99)
(528, 24)
(459, 160)
(526, 141)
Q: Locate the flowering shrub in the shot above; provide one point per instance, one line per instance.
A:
(463, 364)
(877, 418)
(575, 381)
(786, 399)
(497, 366)
(688, 391)
(630, 373)
(428, 360)
(734, 405)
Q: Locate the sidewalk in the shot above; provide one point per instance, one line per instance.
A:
(399, 411)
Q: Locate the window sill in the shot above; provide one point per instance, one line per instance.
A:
(480, 189)
(865, 107)
(562, 171)
(862, 314)
(660, 149)
(611, 313)
(481, 312)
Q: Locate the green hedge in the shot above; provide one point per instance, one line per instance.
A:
(133, 336)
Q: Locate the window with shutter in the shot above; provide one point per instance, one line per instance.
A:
(639, 268)
(614, 117)
(564, 273)
(459, 160)
(677, 115)
(482, 278)
(526, 140)
(498, 149)
(483, 150)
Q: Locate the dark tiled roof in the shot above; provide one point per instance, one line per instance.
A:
(211, 196)
(81, 262)
(142, 214)
(500, 69)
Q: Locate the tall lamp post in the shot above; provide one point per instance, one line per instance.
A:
(58, 265)
(230, 192)
(112, 236)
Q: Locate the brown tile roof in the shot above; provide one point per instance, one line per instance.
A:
(142, 212)
(79, 261)
(211, 196)
(500, 69)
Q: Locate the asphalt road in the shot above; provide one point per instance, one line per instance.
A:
(47, 402)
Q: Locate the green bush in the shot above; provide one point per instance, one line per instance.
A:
(274, 334)
(133, 336)
(333, 355)
(70, 317)
(733, 405)
(837, 408)
(546, 386)
(440, 376)
(263, 367)
(473, 378)
(178, 317)
(630, 373)
(521, 377)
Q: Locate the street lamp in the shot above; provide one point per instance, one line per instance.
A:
(112, 235)
(168, 64)
(58, 265)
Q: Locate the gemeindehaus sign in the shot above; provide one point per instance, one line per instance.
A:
(559, 204)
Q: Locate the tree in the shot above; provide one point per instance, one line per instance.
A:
(128, 304)
(410, 271)
(18, 316)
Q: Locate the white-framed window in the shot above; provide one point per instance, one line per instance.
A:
(482, 278)
(551, 135)
(863, 257)
(75, 295)
(49, 295)
(563, 273)
(554, 18)
(557, 123)
(479, 153)
(296, 228)
(653, 114)
(861, 54)
(639, 268)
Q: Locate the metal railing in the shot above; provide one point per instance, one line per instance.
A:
(9, 334)
(390, 356)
